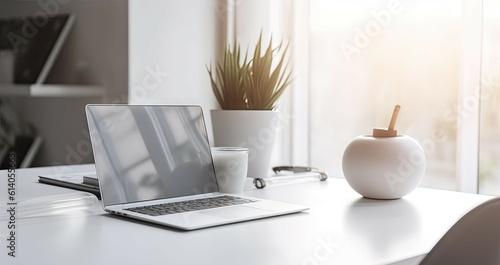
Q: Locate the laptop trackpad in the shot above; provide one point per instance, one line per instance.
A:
(235, 212)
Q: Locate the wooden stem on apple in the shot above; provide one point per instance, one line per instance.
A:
(390, 131)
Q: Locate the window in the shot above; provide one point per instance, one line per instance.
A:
(366, 57)
(440, 61)
(355, 60)
(489, 154)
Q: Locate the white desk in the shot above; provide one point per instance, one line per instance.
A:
(340, 228)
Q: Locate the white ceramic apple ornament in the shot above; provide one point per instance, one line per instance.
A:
(384, 165)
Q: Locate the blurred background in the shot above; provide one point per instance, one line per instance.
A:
(352, 62)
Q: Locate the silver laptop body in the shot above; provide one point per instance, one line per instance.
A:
(160, 154)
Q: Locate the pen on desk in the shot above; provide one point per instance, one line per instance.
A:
(284, 179)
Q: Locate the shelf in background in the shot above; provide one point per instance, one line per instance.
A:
(34, 90)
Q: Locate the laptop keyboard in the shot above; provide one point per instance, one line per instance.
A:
(191, 205)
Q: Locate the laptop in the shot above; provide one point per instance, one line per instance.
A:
(153, 163)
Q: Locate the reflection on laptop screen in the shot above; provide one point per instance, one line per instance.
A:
(150, 152)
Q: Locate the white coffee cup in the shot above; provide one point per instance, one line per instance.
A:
(231, 165)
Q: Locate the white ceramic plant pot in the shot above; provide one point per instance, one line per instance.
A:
(253, 129)
(384, 167)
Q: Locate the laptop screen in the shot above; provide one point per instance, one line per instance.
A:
(147, 152)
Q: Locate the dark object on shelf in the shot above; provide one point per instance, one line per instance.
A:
(35, 44)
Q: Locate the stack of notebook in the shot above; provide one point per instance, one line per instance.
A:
(80, 181)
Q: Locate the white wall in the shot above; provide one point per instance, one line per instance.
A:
(177, 40)
(272, 18)
(180, 38)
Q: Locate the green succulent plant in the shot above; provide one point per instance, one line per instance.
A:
(251, 84)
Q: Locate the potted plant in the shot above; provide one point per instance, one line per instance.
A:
(248, 91)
